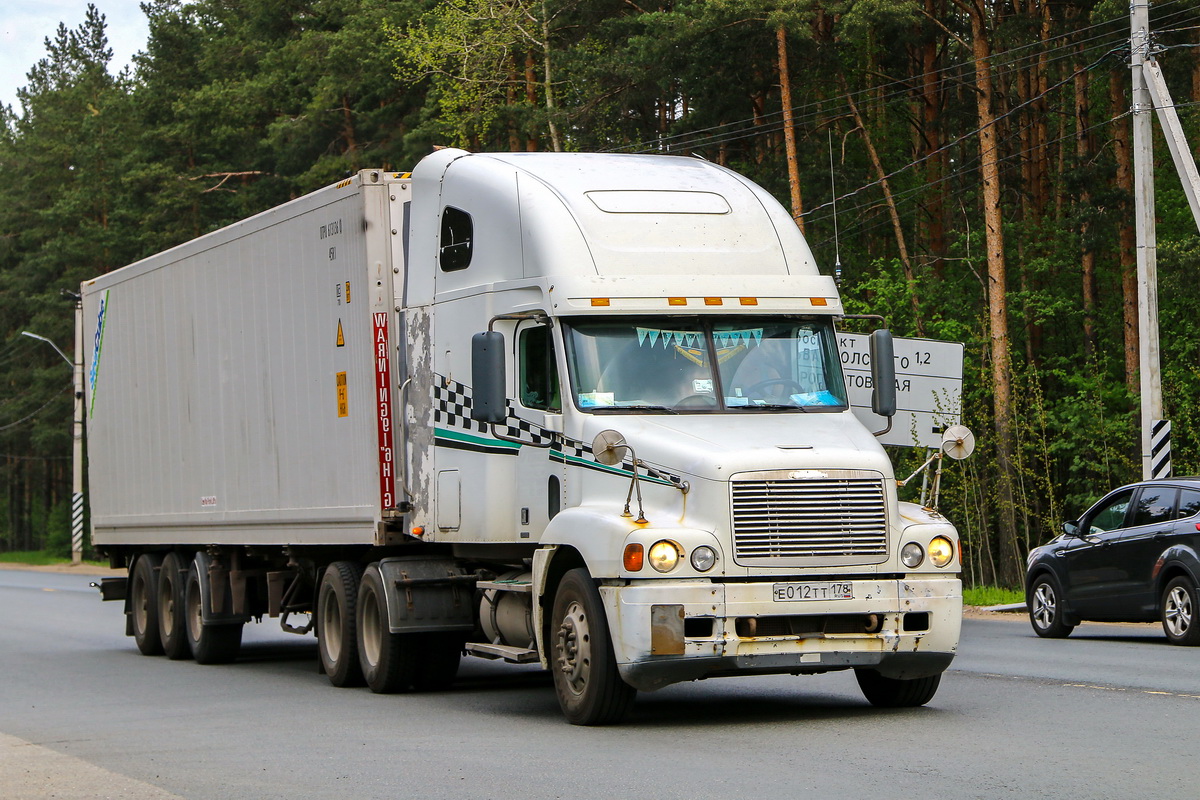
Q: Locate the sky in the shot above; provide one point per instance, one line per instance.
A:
(25, 24)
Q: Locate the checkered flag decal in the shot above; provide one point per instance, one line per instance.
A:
(452, 406)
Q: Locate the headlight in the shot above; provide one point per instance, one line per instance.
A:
(941, 551)
(912, 555)
(663, 555)
(704, 558)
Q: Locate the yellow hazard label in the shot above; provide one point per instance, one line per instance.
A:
(347, 292)
(343, 398)
(341, 339)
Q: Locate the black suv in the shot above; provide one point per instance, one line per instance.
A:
(1133, 557)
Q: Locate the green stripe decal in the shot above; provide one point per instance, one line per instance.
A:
(466, 438)
(555, 455)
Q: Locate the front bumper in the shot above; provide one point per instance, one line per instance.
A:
(665, 632)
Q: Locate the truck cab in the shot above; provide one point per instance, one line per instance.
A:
(738, 517)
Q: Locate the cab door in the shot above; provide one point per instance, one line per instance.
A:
(538, 408)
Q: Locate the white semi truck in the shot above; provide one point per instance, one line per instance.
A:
(571, 409)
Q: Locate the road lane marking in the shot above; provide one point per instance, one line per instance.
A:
(1099, 687)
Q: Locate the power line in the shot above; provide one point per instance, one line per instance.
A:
(35, 413)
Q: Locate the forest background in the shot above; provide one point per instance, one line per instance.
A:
(977, 154)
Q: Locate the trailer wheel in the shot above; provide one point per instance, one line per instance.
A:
(885, 692)
(143, 603)
(172, 629)
(389, 660)
(589, 688)
(210, 644)
(337, 623)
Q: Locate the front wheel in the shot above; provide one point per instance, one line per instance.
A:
(1045, 609)
(1179, 608)
(884, 692)
(589, 687)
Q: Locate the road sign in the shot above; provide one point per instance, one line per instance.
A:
(928, 388)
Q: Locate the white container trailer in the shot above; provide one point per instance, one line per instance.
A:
(582, 410)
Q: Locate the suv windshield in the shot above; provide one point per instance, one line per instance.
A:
(666, 364)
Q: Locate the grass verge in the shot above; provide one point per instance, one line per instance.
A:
(40, 558)
(992, 596)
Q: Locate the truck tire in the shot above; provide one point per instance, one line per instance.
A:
(211, 643)
(172, 629)
(589, 687)
(143, 603)
(389, 660)
(885, 692)
(337, 623)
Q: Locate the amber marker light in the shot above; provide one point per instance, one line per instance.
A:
(600, 301)
(818, 301)
(634, 557)
(418, 531)
(748, 301)
(677, 301)
(713, 301)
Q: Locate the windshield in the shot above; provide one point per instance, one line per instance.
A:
(666, 364)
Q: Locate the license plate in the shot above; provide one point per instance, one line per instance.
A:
(785, 592)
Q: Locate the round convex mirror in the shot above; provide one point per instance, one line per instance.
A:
(609, 447)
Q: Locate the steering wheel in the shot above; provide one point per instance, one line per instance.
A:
(697, 401)
(788, 382)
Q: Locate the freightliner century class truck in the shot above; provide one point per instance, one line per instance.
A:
(579, 410)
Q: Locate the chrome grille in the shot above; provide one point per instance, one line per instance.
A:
(835, 517)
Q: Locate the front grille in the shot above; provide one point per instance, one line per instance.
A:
(835, 516)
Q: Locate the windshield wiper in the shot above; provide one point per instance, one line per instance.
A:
(656, 409)
(770, 407)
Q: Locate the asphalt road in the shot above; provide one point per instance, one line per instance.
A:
(1111, 712)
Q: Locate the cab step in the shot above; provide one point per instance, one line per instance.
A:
(513, 655)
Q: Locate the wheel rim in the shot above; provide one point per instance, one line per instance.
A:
(166, 606)
(331, 627)
(195, 615)
(369, 624)
(1045, 606)
(141, 605)
(1178, 611)
(573, 647)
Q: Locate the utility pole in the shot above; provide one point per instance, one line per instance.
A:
(1147, 264)
(1150, 95)
(76, 429)
(77, 439)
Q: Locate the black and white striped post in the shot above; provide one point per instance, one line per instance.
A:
(77, 450)
(1160, 448)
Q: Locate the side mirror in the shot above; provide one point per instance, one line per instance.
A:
(883, 373)
(1071, 527)
(487, 378)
